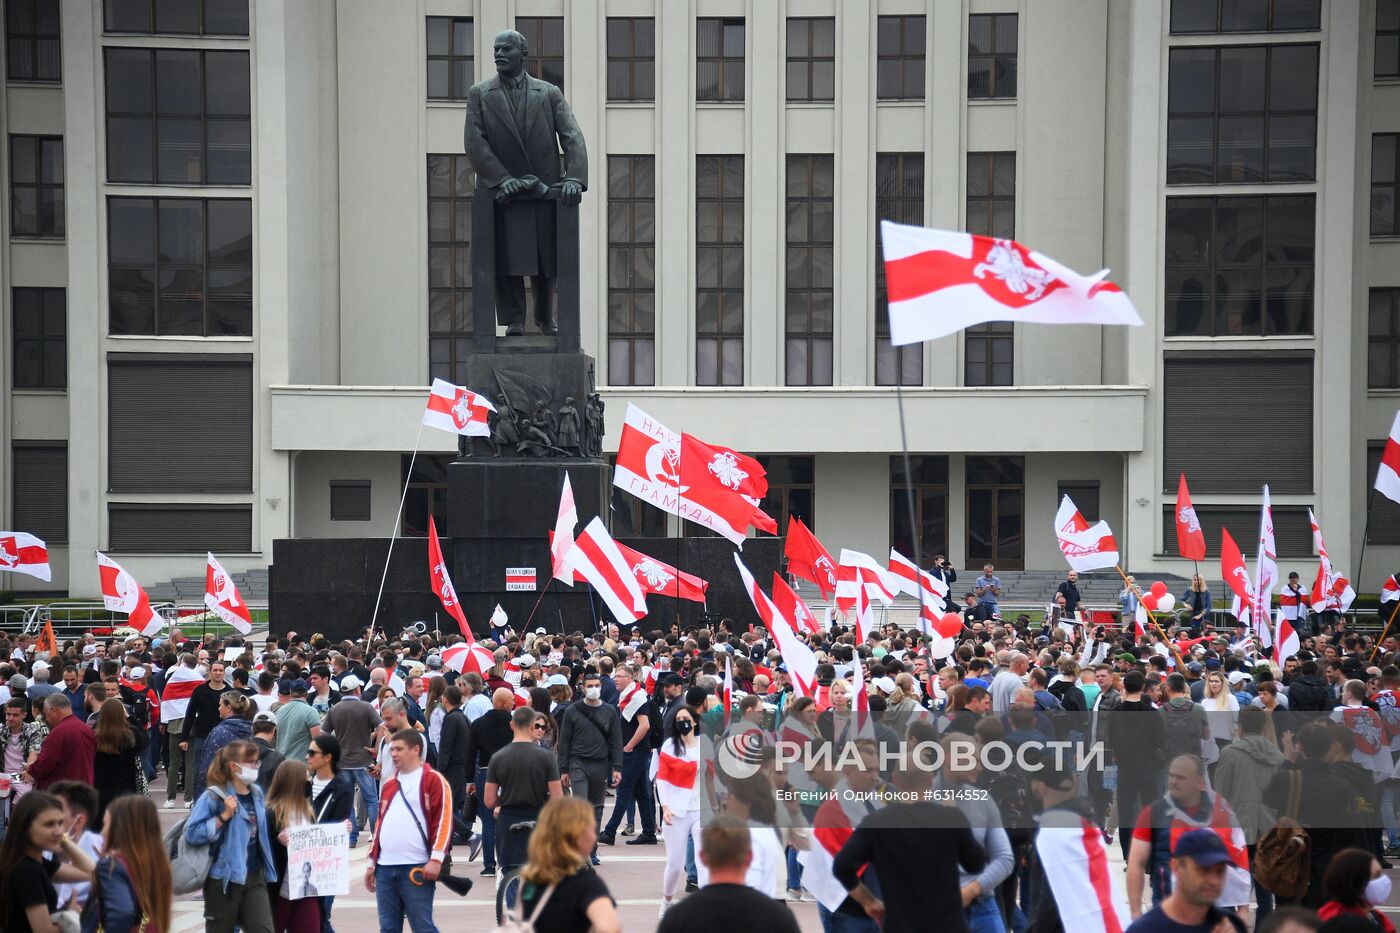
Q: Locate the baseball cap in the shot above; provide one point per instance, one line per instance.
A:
(540, 630)
(556, 680)
(1202, 846)
(265, 717)
(284, 688)
(1237, 677)
(527, 660)
(350, 682)
(89, 650)
(19, 682)
(1195, 667)
(434, 660)
(1212, 664)
(885, 684)
(138, 672)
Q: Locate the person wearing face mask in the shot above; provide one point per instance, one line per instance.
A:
(1355, 886)
(590, 747)
(232, 814)
(679, 789)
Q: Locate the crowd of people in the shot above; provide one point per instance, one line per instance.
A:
(912, 780)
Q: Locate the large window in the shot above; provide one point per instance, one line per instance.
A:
(178, 117)
(427, 495)
(36, 186)
(719, 59)
(177, 17)
(810, 279)
(179, 423)
(811, 58)
(899, 196)
(991, 55)
(989, 349)
(180, 266)
(1383, 339)
(451, 57)
(1385, 184)
(545, 36)
(632, 270)
(631, 58)
(927, 479)
(719, 270)
(1387, 39)
(450, 184)
(792, 490)
(40, 490)
(1242, 114)
(32, 40)
(40, 329)
(1260, 402)
(179, 529)
(900, 51)
(1221, 16)
(1239, 266)
(1084, 494)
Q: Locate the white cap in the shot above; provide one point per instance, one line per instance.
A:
(89, 650)
(884, 684)
(557, 680)
(527, 660)
(138, 672)
(350, 682)
(1237, 677)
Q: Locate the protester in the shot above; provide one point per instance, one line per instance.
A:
(69, 750)
(561, 892)
(232, 813)
(235, 712)
(727, 902)
(297, 722)
(413, 834)
(634, 786)
(590, 747)
(353, 722)
(1355, 886)
(288, 808)
(1199, 862)
(132, 879)
(265, 738)
(332, 796)
(30, 863)
(80, 816)
(520, 780)
(118, 747)
(679, 790)
(201, 716)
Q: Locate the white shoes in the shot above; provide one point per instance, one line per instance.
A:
(794, 895)
(170, 805)
(665, 905)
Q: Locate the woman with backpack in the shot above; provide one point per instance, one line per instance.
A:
(132, 888)
(287, 809)
(1356, 886)
(119, 747)
(561, 891)
(231, 813)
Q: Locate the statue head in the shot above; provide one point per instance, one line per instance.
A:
(568, 400)
(510, 50)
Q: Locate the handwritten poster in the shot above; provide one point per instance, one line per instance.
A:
(318, 860)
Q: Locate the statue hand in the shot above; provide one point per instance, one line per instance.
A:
(510, 188)
(570, 192)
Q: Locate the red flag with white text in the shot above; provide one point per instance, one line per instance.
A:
(808, 559)
(792, 607)
(121, 593)
(221, 597)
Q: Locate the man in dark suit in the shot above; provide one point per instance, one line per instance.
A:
(515, 128)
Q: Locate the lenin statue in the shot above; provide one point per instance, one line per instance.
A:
(516, 126)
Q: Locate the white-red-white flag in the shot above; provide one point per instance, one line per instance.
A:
(860, 699)
(180, 682)
(1390, 590)
(675, 779)
(1265, 568)
(931, 592)
(1071, 849)
(792, 606)
(596, 559)
(1236, 577)
(940, 282)
(457, 410)
(1331, 592)
(1285, 637)
(442, 582)
(796, 654)
(1388, 474)
(221, 597)
(1085, 546)
(121, 593)
(468, 657)
(563, 539)
(631, 701)
(21, 552)
(865, 616)
(858, 571)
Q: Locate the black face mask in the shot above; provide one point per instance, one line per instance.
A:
(683, 726)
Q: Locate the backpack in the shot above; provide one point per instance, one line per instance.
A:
(1283, 857)
(138, 705)
(1182, 730)
(189, 863)
(1011, 792)
(515, 921)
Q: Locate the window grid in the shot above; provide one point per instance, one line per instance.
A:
(901, 58)
(36, 186)
(899, 196)
(719, 59)
(170, 121)
(792, 490)
(33, 45)
(1383, 339)
(180, 266)
(989, 350)
(719, 270)
(631, 270)
(811, 58)
(1239, 266)
(451, 57)
(991, 56)
(1385, 184)
(545, 37)
(1259, 122)
(810, 258)
(450, 186)
(930, 487)
(184, 18)
(1202, 17)
(1387, 62)
(40, 327)
(631, 58)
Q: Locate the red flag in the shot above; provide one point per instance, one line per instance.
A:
(442, 583)
(653, 576)
(23, 553)
(723, 483)
(808, 559)
(1233, 570)
(1190, 539)
(792, 607)
(221, 597)
(121, 593)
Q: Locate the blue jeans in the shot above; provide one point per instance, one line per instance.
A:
(984, 916)
(369, 793)
(1390, 803)
(842, 923)
(794, 870)
(398, 898)
(692, 874)
(634, 788)
(488, 823)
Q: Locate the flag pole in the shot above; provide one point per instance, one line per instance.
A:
(1365, 532)
(1150, 617)
(1377, 646)
(537, 603)
(908, 480)
(394, 533)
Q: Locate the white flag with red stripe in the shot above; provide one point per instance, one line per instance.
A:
(858, 571)
(940, 282)
(596, 559)
(800, 660)
(860, 702)
(931, 592)
(121, 593)
(457, 410)
(1390, 590)
(631, 701)
(792, 606)
(1070, 849)
(21, 552)
(1265, 568)
(468, 658)
(1085, 546)
(1331, 592)
(865, 616)
(1285, 638)
(221, 597)
(1388, 474)
(179, 687)
(563, 538)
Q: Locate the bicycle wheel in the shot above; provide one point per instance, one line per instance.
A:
(507, 893)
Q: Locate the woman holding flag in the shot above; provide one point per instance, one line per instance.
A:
(678, 787)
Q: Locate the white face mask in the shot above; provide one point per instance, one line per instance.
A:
(593, 693)
(1378, 890)
(249, 773)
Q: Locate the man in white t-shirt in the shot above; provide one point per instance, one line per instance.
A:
(412, 838)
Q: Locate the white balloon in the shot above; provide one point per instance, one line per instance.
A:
(941, 647)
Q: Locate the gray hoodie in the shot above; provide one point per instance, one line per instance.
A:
(1246, 766)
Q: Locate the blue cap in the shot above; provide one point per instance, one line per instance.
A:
(1202, 846)
(300, 686)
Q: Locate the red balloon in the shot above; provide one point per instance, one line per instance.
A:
(949, 626)
(1159, 589)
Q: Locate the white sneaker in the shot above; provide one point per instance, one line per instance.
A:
(170, 805)
(794, 894)
(807, 896)
(665, 905)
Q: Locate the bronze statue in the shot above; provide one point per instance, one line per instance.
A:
(568, 435)
(516, 126)
(593, 417)
(504, 432)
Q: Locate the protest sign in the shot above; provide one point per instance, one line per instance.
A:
(318, 860)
